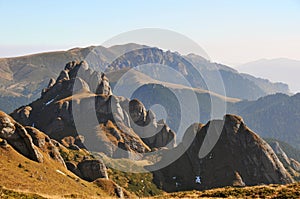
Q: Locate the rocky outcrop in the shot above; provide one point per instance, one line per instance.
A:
(290, 164)
(239, 157)
(92, 170)
(89, 170)
(28, 141)
(154, 134)
(16, 135)
(45, 144)
(280, 153)
(295, 165)
(80, 104)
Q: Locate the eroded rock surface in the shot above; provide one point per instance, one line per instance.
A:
(239, 157)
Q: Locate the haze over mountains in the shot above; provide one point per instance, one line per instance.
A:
(275, 70)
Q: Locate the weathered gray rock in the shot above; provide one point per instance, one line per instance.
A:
(64, 75)
(239, 157)
(104, 87)
(155, 135)
(73, 168)
(68, 108)
(94, 81)
(55, 127)
(17, 136)
(51, 83)
(137, 112)
(43, 142)
(92, 170)
(7, 127)
(23, 115)
(280, 153)
(295, 164)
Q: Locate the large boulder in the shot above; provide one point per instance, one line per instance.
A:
(238, 158)
(91, 170)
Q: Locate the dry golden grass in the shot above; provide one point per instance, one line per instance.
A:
(291, 191)
(46, 179)
(23, 178)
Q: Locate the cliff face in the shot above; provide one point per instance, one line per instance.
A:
(239, 158)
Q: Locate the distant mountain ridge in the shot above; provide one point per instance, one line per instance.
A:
(276, 70)
(22, 78)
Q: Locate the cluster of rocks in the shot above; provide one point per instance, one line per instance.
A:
(240, 157)
(79, 110)
(36, 145)
(68, 108)
(28, 141)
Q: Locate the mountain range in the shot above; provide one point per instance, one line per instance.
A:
(91, 123)
(23, 77)
(59, 126)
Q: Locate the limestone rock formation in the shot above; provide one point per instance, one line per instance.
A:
(295, 165)
(154, 134)
(239, 157)
(44, 143)
(80, 103)
(280, 153)
(290, 164)
(89, 170)
(16, 135)
(28, 140)
(92, 170)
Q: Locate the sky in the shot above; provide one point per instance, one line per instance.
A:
(231, 32)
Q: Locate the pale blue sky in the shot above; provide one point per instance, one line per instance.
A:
(230, 31)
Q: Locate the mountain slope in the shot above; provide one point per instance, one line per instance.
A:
(274, 116)
(239, 85)
(23, 77)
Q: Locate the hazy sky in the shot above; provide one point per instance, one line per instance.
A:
(230, 31)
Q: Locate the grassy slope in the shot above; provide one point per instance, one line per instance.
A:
(21, 174)
(263, 191)
(138, 182)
